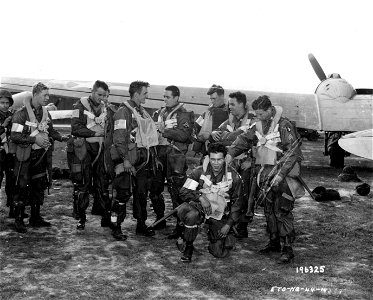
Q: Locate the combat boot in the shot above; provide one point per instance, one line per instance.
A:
(18, 223)
(36, 220)
(287, 251)
(81, 223)
(274, 245)
(118, 234)
(142, 229)
(241, 231)
(188, 253)
(105, 220)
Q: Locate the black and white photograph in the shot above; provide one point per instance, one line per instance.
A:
(186, 149)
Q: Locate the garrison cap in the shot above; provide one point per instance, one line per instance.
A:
(7, 94)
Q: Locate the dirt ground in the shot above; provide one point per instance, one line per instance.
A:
(333, 251)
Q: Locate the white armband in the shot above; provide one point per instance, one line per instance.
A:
(191, 184)
(17, 127)
(120, 124)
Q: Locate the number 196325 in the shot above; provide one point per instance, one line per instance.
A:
(311, 269)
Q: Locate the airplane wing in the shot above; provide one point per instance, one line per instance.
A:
(359, 143)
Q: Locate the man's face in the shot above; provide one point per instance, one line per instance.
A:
(42, 98)
(235, 108)
(141, 97)
(263, 115)
(106, 98)
(4, 104)
(216, 100)
(217, 161)
(99, 95)
(170, 100)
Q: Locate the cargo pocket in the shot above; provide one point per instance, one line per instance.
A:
(286, 203)
(76, 172)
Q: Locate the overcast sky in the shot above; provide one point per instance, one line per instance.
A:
(259, 45)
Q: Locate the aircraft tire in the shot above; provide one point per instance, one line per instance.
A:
(337, 156)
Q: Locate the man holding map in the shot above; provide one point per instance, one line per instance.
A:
(212, 191)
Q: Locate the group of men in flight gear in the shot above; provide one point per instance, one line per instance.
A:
(246, 157)
(130, 148)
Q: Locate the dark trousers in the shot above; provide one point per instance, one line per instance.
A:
(191, 216)
(174, 169)
(138, 186)
(278, 211)
(31, 179)
(90, 179)
(7, 169)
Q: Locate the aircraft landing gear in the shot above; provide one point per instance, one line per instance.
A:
(332, 148)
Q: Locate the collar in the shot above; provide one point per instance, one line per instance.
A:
(94, 104)
(169, 109)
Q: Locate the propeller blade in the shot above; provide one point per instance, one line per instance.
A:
(316, 67)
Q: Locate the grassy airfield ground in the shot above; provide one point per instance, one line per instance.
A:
(61, 263)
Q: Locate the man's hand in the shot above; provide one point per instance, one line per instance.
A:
(65, 138)
(228, 159)
(128, 166)
(100, 132)
(245, 165)
(205, 205)
(6, 121)
(159, 126)
(216, 135)
(276, 180)
(42, 141)
(224, 231)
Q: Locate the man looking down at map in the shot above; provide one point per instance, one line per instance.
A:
(212, 191)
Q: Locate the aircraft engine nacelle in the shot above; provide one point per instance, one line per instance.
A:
(335, 89)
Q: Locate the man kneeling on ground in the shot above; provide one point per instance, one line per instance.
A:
(212, 191)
